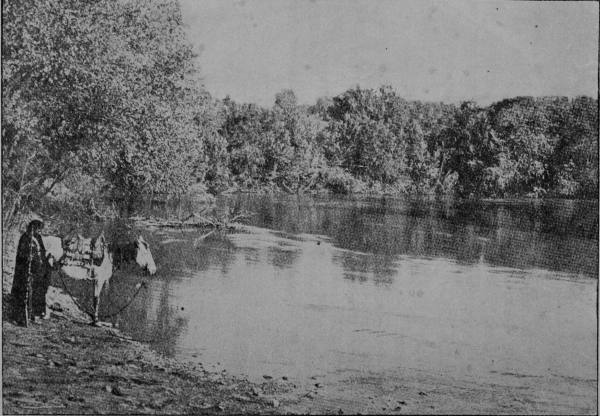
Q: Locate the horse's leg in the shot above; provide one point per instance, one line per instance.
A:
(95, 305)
(97, 290)
(46, 311)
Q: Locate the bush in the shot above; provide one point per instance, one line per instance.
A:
(448, 186)
(338, 181)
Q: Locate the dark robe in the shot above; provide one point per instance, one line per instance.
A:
(31, 278)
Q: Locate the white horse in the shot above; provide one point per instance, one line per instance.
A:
(99, 274)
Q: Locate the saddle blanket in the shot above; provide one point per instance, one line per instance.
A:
(80, 251)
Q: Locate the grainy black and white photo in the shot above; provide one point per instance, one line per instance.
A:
(299, 207)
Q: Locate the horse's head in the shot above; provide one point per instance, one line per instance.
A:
(143, 256)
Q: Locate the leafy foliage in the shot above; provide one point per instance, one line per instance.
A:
(102, 87)
(106, 93)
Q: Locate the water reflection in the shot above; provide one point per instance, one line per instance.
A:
(558, 235)
(151, 316)
(315, 283)
(182, 250)
(283, 258)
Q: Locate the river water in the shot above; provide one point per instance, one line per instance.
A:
(318, 286)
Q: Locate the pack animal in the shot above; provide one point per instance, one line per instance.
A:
(93, 259)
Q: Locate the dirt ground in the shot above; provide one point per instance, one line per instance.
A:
(66, 367)
(413, 391)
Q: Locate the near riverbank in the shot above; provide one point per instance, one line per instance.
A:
(63, 365)
(66, 367)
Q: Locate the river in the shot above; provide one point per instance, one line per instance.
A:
(492, 291)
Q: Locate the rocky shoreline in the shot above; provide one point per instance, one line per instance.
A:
(62, 366)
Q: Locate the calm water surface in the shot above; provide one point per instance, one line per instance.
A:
(321, 286)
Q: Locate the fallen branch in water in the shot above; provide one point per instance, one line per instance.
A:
(202, 237)
(227, 222)
(193, 214)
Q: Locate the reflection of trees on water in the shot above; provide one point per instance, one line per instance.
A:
(216, 251)
(167, 324)
(517, 247)
(293, 215)
(358, 267)
(469, 244)
(557, 235)
(357, 230)
(167, 207)
(152, 318)
(177, 256)
(563, 218)
(251, 255)
(283, 258)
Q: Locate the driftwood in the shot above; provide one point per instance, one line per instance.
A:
(202, 237)
(190, 223)
(229, 222)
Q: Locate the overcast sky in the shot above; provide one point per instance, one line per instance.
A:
(428, 50)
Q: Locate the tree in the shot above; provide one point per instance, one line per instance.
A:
(421, 165)
(293, 156)
(470, 150)
(244, 127)
(573, 169)
(102, 87)
(524, 128)
(368, 128)
(55, 97)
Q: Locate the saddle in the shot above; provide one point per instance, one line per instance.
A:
(84, 252)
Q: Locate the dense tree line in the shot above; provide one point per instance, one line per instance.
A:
(102, 98)
(365, 139)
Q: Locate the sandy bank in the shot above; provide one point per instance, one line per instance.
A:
(61, 366)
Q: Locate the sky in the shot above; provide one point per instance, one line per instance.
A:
(446, 51)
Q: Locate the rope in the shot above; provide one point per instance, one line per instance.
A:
(90, 271)
(73, 298)
(91, 315)
(131, 299)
